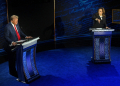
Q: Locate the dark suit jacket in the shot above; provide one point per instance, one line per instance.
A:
(10, 34)
(102, 23)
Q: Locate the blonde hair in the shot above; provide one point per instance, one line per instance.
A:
(13, 16)
(103, 10)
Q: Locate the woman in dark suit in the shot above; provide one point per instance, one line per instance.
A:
(100, 19)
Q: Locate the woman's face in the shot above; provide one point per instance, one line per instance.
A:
(100, 12)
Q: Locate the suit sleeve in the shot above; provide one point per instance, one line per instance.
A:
(7, 34)
(94, 17)
(105, 22)
(21, 33)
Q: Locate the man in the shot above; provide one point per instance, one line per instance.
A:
(12, 34)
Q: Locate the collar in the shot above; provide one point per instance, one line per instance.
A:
(12, 23)
(100, 16)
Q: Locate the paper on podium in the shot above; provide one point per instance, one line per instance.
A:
(20, 41)
(99, 28)
(29, 43)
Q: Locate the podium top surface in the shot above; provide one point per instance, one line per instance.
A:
(27, 42)
(100, 29)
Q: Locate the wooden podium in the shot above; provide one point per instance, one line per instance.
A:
(101, 44)
(25, 60)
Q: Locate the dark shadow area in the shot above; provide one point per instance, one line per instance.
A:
(59, 27)
(85, 22)
(45, 46)
(48, 33)
(73, 42)
(101, 70)
(36, 17)
(49, 80)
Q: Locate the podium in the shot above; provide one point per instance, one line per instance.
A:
(25, 60)
(101, 44)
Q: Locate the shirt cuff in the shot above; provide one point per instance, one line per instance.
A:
(11, 44)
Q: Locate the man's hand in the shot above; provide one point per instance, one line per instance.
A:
(27, 37)
(14, 43)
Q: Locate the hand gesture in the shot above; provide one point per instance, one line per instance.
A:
(107, 28)
(97, 20)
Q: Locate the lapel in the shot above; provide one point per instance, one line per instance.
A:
(99, 17)
(12, 29)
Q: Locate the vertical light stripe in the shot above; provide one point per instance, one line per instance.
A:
(25, 65)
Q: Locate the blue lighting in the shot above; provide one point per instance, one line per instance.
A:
(25, 66)
(75, 17)
(33, 61)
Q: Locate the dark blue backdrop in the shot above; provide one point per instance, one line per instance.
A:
(74, 17)
(3, 20)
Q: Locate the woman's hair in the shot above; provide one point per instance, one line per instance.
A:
(103, 10)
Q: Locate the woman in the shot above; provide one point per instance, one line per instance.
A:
(100, 19)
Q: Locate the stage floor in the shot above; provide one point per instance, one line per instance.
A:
(69, 66)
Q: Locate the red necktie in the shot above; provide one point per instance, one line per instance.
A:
(17, 33)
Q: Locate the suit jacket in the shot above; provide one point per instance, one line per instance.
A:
(102, 23)
(10, 35)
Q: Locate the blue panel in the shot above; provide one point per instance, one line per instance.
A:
(33, 61)
(97, 48)
(102, 52)
(25, 65)
(107, 46)
(103, 33)
(29, 47)
(29, 65)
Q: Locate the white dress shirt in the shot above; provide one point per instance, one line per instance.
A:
(13, 26)
(101, 17)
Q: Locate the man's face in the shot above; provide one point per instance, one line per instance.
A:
(14, 21)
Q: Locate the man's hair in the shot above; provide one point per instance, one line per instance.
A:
(13, 16)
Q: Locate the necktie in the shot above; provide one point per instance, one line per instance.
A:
(17, 33)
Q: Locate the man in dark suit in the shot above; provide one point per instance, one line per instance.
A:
(12, 34)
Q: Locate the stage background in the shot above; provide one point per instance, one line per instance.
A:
(36, 17)
(3, 20)
(74, 17)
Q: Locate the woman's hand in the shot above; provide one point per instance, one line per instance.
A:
(107, 28)
(97, 20)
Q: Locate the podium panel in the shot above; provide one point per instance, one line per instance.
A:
(102, 47)
(26, 66)
(101, 44)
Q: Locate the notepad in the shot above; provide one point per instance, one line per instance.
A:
(20, 41)
(99, 28)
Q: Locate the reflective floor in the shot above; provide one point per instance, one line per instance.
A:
(67, 62)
